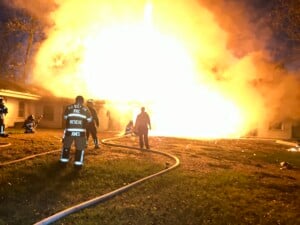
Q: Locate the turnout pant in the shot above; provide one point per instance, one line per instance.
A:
(80, 142)
(2, 126)
(91, 129)
(143, 137)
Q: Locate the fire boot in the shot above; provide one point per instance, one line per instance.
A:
(65, 155)
(96, 144)
(2, 129)
(2, 134)
(79, 154)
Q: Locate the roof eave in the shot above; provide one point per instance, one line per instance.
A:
(20, 95)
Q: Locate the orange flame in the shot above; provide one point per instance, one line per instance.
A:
(164, 58)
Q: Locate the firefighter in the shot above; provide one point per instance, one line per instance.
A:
(3, 112)
(129, 129)
(76, 116)
(31, 123)
(92, 127)
(142, 124)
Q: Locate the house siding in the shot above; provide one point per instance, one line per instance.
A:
(264, 131)
(12, 117)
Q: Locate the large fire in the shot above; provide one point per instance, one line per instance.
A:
(169, 56)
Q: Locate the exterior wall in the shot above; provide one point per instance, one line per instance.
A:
(39, 107)
(52, 111)
(296, 131)
(58, 106)
(103, 120)
(45, 122)
(13, 116)
(36, 108)
(285, 132)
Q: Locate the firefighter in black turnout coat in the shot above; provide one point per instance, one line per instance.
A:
(142, 124)
(92, 127)
(31, 123)
(76, 116)
(3, 112)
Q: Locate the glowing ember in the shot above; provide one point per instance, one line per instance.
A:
(160, 57)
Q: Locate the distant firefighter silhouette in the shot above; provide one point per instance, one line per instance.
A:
(76, 116)
(92, 127)
(3, 112)
(129, 129)
(31, 123)
(142, 124)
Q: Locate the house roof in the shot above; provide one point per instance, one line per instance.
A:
(16, 94)
(16, 89)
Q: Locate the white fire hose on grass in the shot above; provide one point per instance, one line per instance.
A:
(111, 194)
(28, 157)
(2, 145)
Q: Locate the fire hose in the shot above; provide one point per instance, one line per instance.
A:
(27, 157)
(114, 193)
(2, 145)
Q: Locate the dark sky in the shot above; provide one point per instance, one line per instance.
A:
(253, 21)
(5, 11)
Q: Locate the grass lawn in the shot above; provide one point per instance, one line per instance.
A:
(219, 181)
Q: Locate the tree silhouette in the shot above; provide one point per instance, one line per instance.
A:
(286, 18)
(286, 25)
(18, 32)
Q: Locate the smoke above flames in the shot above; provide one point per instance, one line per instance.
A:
(200, 69)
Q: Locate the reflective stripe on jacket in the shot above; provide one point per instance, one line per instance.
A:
(76, 117)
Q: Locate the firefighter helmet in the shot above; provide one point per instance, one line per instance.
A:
(90, 102)
(79, 99)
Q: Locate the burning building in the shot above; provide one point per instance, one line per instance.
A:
(24, 100)
(199, 72)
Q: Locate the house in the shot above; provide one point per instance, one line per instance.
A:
(19, 101)
(286, 129)
(24, 100)
(52, 109)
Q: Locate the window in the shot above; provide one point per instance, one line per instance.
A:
(21, 111)
(48, 112)
(276, 126)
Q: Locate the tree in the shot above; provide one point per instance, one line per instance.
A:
(6, 50)
(7, 45)
(18, 32)
(286, 18)
(26, 27)
(286, 26)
